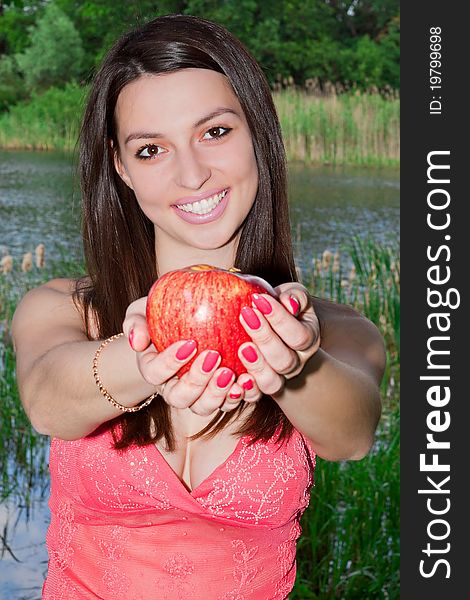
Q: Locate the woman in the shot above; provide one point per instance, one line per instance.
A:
(193, 486)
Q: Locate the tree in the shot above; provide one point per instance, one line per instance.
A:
(11, 83)
(55, 53)
(16, 16)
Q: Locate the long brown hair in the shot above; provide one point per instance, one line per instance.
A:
(119, 240)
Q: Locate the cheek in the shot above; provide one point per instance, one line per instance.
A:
(241, 163)
(147, 188)
(251, 176)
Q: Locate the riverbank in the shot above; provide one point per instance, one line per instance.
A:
(360, 129)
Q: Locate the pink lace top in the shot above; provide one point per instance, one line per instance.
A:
(123, 526)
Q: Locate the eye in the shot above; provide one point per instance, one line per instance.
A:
(216, 132)
(148, 151)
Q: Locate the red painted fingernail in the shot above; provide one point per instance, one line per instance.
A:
(295, 305)
(234, 396)
(210, 361)
(248, 385)
(262, 304)
(224, 378)
(250, 317)
(131, 338)
(186, 350)
(250, 354)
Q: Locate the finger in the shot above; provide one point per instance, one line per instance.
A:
(138, 335)
(294, 296)
(158, 367)
(215, 393)
(279, 356)
(192, 384)
(297, 334)
(135, 325)
(234, 397)
(251, 392)
(266, 378)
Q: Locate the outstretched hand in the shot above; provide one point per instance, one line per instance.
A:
(205, 388)
(285, 334)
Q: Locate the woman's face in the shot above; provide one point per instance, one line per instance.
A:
(186, 151)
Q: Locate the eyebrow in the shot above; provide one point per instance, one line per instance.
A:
(139, 135)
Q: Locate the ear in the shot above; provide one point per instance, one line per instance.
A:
(119, 166)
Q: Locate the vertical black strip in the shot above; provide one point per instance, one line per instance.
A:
(434, 239)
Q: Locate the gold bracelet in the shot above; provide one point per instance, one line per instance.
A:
(104, 391)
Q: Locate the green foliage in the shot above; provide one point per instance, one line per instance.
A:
(16, 17)
(334, 41)
(101, 22)
(47, 121)
(55, 53)
(11, 83)
(319, 39)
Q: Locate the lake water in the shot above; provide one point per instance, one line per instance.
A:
(39, 203)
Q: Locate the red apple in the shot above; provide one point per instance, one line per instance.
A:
(203, 303)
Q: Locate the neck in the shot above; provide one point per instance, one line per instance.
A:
(172, 255)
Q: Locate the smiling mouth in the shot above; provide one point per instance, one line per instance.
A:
(203, 207)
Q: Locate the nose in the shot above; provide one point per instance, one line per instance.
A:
(192, 171)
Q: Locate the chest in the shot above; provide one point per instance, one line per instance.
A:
(261, 483)
(194, 461)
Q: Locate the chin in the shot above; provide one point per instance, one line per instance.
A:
(218, 239)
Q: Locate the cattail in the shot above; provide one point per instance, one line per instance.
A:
(344, 283)
(326, 259)
(6, 264)
(317, 266)
(298, 270)
(335, 268)
(27, 263)
(352, 273)
(40, 249)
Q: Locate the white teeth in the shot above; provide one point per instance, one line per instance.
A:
(204, 206)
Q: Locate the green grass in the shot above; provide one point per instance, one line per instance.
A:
(348, 129)
(349, 548)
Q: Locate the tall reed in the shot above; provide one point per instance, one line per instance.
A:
(359, 129)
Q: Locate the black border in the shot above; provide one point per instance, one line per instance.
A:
(421, 133)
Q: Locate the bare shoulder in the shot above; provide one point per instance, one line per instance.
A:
(47, 312)
(55, 295)
(350, 337)
(61, 285)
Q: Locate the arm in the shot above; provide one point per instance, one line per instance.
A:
(333, 399)
(54, 366)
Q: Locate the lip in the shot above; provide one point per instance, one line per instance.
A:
(201, 196)
(195, 219)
